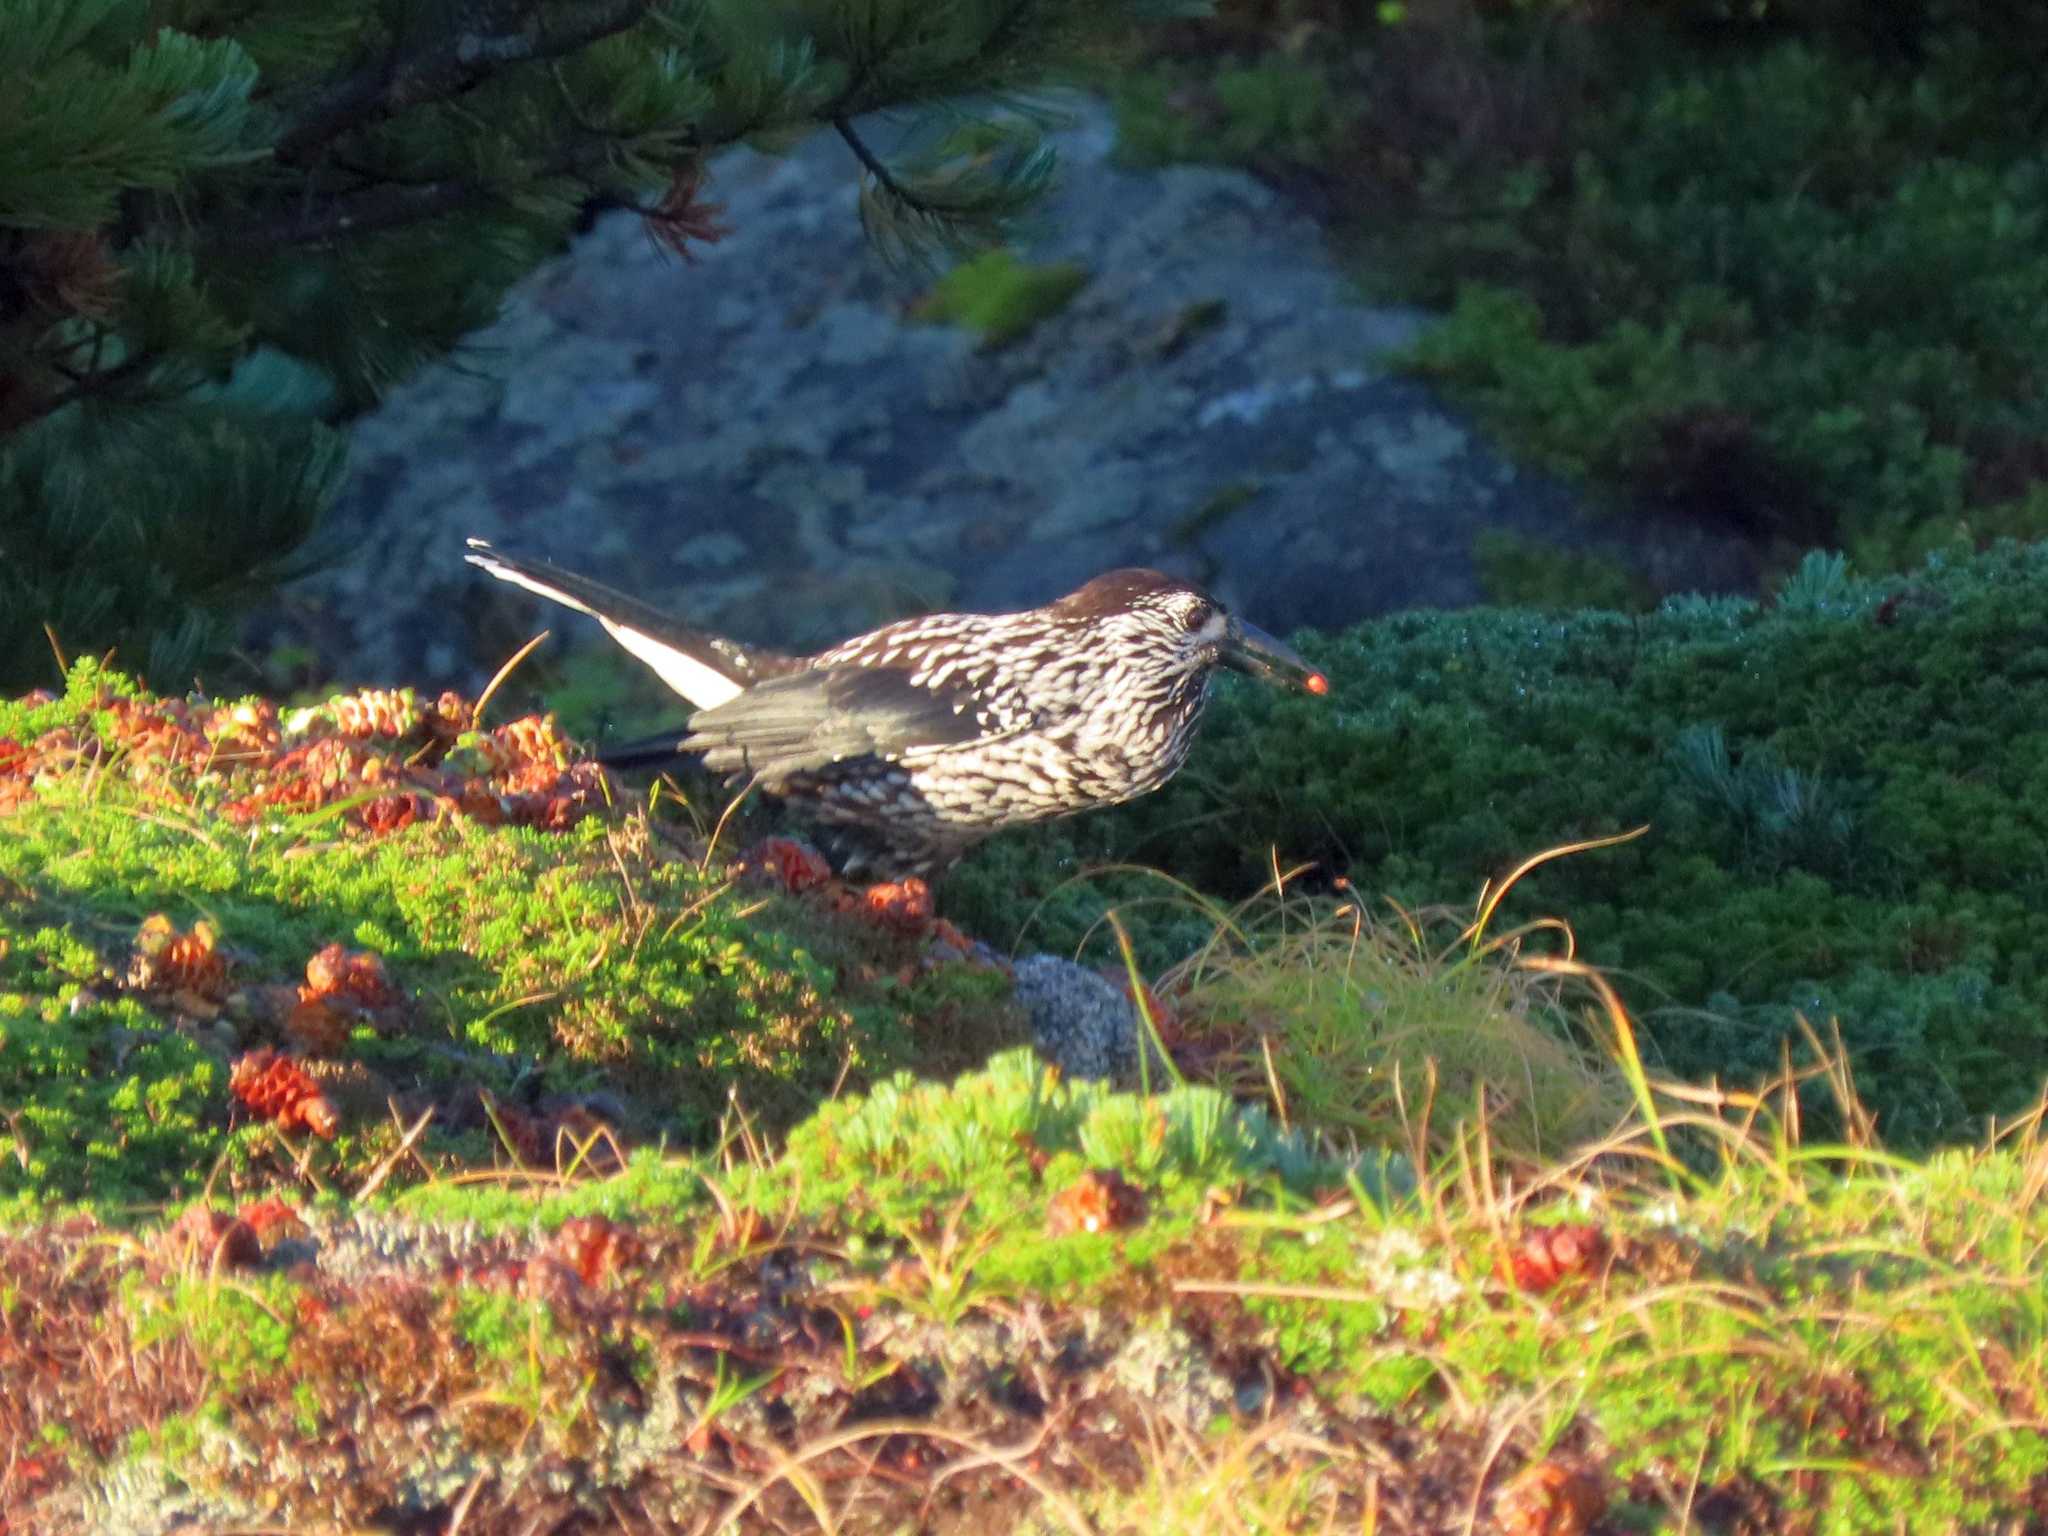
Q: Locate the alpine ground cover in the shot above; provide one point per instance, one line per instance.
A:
(1400, 1237)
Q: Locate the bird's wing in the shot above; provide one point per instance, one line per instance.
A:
(706, 669)
(803, 722)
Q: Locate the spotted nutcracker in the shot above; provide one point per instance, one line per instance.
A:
(913, 742)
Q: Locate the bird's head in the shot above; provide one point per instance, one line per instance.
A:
(1194, 628)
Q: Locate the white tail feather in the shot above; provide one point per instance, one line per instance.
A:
(704, 686)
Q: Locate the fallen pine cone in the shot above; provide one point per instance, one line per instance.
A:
(272, 1221)
(17, 773)
(351, 975)
(785, 862)
(1101, 1200)
(370, 712)
(1550, 1498)
(249, 730)
(278, 1089)
(343, 987)
(393, 813)
(905, 906)
(594, 1246)
(1547, 1255)
(211, 1238)
(168, 960)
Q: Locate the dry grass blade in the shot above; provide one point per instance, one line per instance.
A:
(476, 716)
(1009, 1459)
(1491, 896)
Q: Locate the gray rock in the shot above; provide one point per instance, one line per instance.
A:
(762, 440)
(1083, 1024)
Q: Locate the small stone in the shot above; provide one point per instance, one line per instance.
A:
(1079, 1022)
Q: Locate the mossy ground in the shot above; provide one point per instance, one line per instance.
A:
(606, 965)
(884, 1319)
(848, 1298)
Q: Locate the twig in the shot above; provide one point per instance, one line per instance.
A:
(461, 1510)
(1009, 1458)
(392, 1158)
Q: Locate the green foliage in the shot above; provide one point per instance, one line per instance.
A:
(103, 1104)
(1269, 111)
(240, 1332)
(1792, 1306)
(221, 222)
(1000, 298)
(1520, 572)
(96, 564)
(932, 1141)
(1844, 793)
(1779, 267)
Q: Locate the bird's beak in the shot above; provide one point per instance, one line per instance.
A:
(1250, 650)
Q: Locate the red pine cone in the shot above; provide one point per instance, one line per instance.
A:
(1550, 1498)
(277, 1089)
(371, 712)
(1101, 1200)
(1547, 1255)
(353, 975)
(788, 863)
(167, 959)
(904, 906)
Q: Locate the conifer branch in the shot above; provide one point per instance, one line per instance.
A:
(499, 33)
(82, 387)
(873, 164)
(369, 211)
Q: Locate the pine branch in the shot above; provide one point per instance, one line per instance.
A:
(873, 164)
(499, 33)
(367, 212)
(83, 387)
(999, 36)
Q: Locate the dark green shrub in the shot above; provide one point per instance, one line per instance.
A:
(1792, 293)
(1847, 793)
(1780, 267)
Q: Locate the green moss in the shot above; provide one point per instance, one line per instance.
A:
(1000, 298)
(102, 1102)
(1519, 572)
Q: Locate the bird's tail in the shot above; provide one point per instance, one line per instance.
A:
(704, 668)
